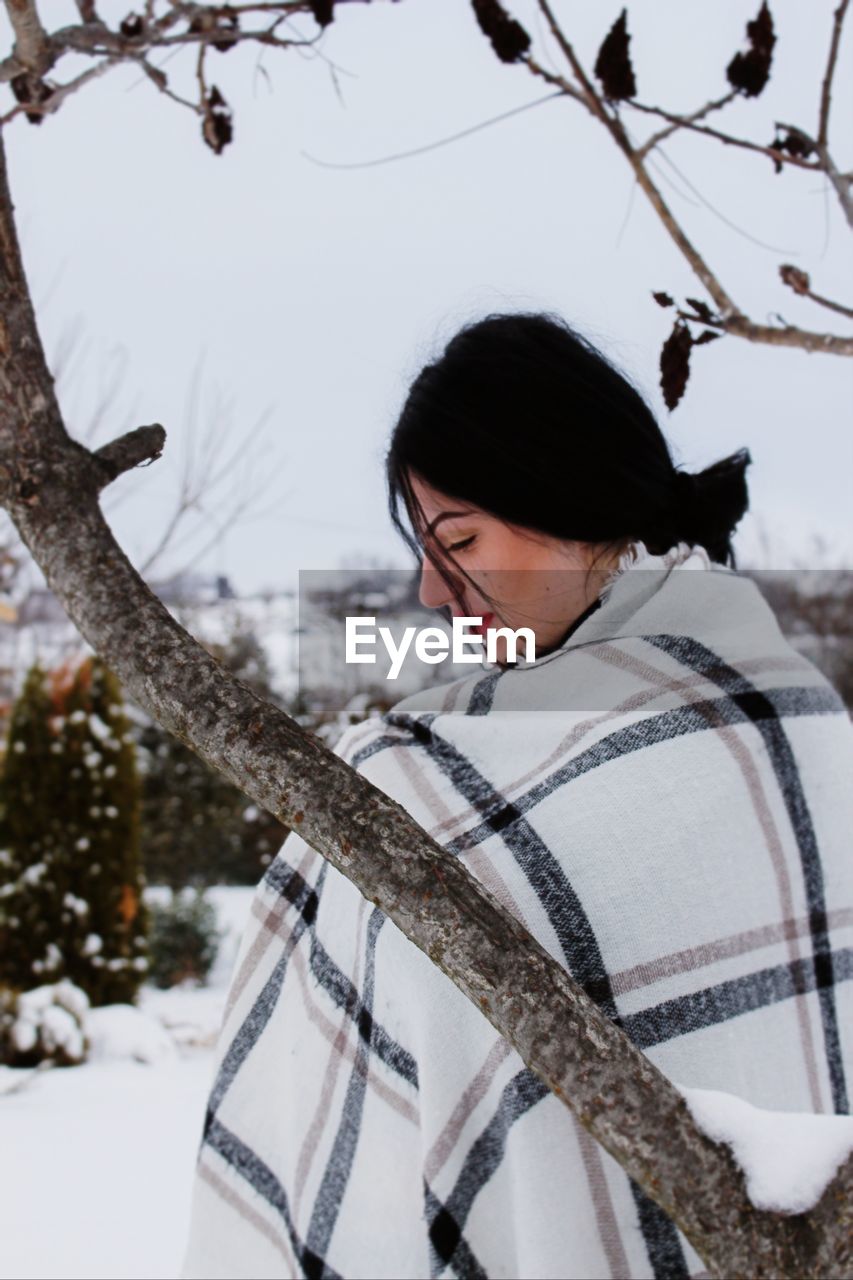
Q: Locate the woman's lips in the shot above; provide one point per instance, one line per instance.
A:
(485, 624)
(487, 620)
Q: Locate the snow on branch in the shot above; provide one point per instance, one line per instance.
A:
(788, 1158)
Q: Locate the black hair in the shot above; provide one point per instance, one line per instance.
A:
(525, 418)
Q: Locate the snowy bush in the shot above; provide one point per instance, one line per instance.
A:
(183, 940)
(121, 1031)
(71, 897)
(47, 1023)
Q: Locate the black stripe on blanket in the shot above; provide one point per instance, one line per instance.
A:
(447, 1220)
(341, 990)
(544, 873)
(292, 886)
(284, 880)
(262, 1180)
(372, 1039)
(758, 708)
(727, 1000)
(661, 1238)
(696, 717)
(327, 1205)
(448, 1246)
(480, 702)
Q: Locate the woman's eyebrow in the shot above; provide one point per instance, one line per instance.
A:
(444, 515)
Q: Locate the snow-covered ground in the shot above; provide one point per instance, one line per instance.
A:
(96, 1161)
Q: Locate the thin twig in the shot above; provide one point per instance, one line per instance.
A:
(60, 92)
(718, 213)
(158, 78)
(684, 122)
(833, 306)
(826, 88)
(199, 71)
(440, 142)
(613, 124)
(800, 283)
(678, 122)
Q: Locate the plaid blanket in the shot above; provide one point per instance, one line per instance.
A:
(666, 803)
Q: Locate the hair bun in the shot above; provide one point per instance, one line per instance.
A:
(708, 506)
(685, 497)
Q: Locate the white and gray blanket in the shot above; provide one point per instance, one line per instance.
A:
(666, 802)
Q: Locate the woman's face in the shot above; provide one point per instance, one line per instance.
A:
(535, 580)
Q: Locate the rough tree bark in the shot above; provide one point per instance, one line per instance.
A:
(50, 485)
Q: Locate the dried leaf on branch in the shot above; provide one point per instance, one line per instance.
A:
(218, 126)
(221, 25)
(793, 142)
(703, 311)
(675, 364)
(132, 27)
(750, 71)
(30, 89)
(613, 64)
(795, 278)
(323, 11)
(508, 37)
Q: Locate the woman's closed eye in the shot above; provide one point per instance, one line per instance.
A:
(462, 544)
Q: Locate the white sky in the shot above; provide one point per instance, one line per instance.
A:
(317, 294)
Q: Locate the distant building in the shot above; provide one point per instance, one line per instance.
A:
(193, 589)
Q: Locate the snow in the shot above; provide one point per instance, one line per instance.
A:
(103, 1154)
(788, 1157)
(123, 1032)
(61, 1030)
(98, 728)
(97, 1169)
(54, 1013)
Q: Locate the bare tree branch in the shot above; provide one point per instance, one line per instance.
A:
(59, 93)
(798, 280)
(826, 88)
(200, 481)
(678, 122)
(595, 104)
(204, 24)
(32, 47)
(137, 448)
(730, 319)
(689, 122)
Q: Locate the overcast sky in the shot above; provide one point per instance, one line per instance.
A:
(315, 294)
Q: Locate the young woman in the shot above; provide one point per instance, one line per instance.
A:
(662, 796)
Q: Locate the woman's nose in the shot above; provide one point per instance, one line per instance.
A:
(434, 590)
